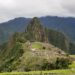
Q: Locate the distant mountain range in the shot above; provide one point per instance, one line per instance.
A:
(65, 25)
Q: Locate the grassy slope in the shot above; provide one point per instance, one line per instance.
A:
(73, 63)
(36, 45)
(55, 72)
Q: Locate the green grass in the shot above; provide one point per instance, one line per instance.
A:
(55, 72)
(37, 45)
(72, 56)
(72, 65)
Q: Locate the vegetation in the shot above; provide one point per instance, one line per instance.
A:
(11, 55)
(58, 39)
(73, 62)
(54, 72)
(37, 45)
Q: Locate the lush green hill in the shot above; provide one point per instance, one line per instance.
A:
(31, 56)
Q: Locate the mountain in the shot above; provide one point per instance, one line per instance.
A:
(62, 24)
(59, 24)
(35, 31)
(33, 50)
(8, 28)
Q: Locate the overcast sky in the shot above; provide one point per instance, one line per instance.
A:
(29, 8)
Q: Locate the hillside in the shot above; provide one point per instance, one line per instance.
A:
(8, 28)
(62, 24)
(33, 50)
(31, 56)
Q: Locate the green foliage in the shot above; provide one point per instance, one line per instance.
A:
(58, 39)
(47, 66)
(18, 37)
(51, 72)
(13, 55)
(72, 48)
(62, 63)
(34, 64)
(16, 51)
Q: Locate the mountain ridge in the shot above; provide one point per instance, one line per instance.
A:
(65, 25)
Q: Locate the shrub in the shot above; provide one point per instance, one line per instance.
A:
(62, 63)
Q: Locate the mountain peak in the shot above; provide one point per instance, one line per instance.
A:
(35, 18)
(36, 30)
(35, 22)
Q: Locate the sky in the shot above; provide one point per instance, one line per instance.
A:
(10, 9)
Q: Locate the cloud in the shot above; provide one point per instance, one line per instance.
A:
(69, 5)
(30, 8)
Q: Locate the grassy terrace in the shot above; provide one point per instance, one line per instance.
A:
(36, 45)
(52, 72)
(72, 56)
(73, 64)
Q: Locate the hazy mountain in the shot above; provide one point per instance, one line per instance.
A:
(8, 28)
(65, 25)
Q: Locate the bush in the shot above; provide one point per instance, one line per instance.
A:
(62, 63)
